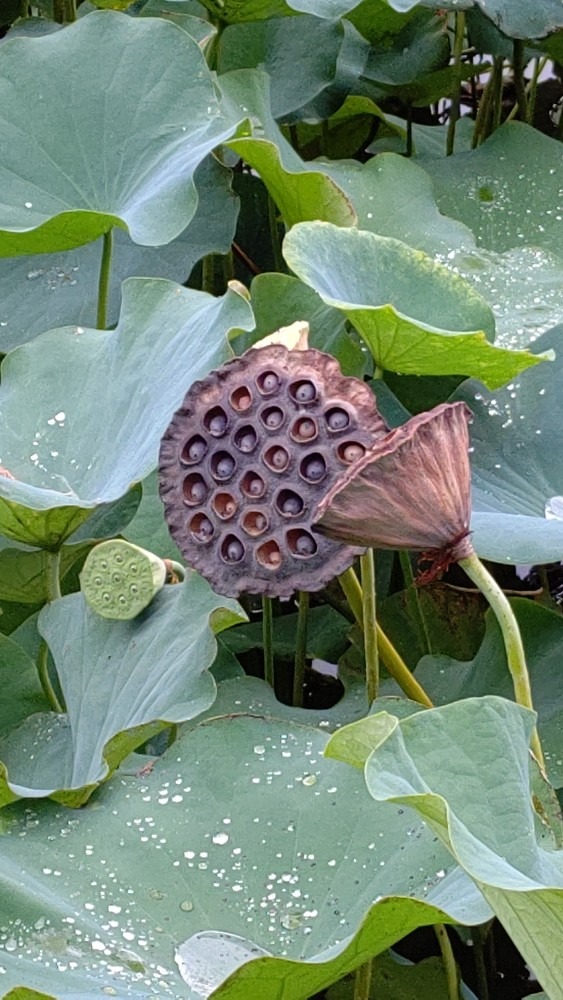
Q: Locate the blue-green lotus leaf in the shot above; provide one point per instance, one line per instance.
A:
(94, 426)
(117, 148)
(264, 867)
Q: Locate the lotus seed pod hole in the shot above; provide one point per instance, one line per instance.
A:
(289, 504)
(201, 528)
(224, 505)
(276, 458)
(194, 450)
(350, 451)
(313, 468)
(232, 549)
(222, 466)
(301, 543)
(216, 421)
(303, 430)
(255, 522)
(268, 382)
(252, 485)
(246, 439)
(194, 489)
(303, 391)
(272, 417)
(269, 555)
(337, 419)
(241, 399)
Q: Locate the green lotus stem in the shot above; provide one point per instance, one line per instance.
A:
(394, 664)
(52, 575)
(53, 588)
(104, 280)
(367, 569)
(300, 648)
(456, 94)
(398, 670)
(532, 87)
(480, 129)
(448, 960)
(64, 11)
(511, 635)
(279, 263)
(498, 88)
(518, 66)
(45, 680)
(268, 639)
(412, 598)
(362, 981)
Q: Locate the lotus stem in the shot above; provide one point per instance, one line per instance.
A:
(45, 680)
(362, 981)
(268, 639)
(394, 664)
(367, 569)
(412, 598)
(518, 66)
(512, 639)
(104, 281)
(279, 263)
(456, 94)
(448, 960)
(53, 588)
(300, 649)
(52, 575)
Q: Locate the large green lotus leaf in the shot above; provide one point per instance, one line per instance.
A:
(417, 50)
(122, 682)
(266, 869)
(40, 293)
(88, 160)
(486, 820)
(519, 20)
(523, 286)
(301, 190)
(185, 13)
(304, 78)
(279, 300)
(67, 455)
(517, 463)
(495, 189)
(446, 679)
(393, 196)
(410, 311)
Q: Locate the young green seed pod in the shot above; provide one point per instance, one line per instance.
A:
(119, 580)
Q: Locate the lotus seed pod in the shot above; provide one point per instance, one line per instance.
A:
(247, 459)
(119, 580)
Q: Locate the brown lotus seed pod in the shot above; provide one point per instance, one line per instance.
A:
(248, 458)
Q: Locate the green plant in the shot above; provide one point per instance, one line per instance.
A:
(178, 181)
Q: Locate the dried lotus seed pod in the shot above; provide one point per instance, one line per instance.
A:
(119, 580)
(247, 459)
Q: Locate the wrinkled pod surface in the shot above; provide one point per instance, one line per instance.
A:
(247, 458)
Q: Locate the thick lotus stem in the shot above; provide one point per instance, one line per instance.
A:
(511, 635)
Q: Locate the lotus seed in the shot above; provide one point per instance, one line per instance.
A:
(305, 392)
(218, 423)
(314, 469)
(225, 466)
(234, 550)
(337, 420)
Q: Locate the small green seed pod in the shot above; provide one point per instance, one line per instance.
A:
(119, 579)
